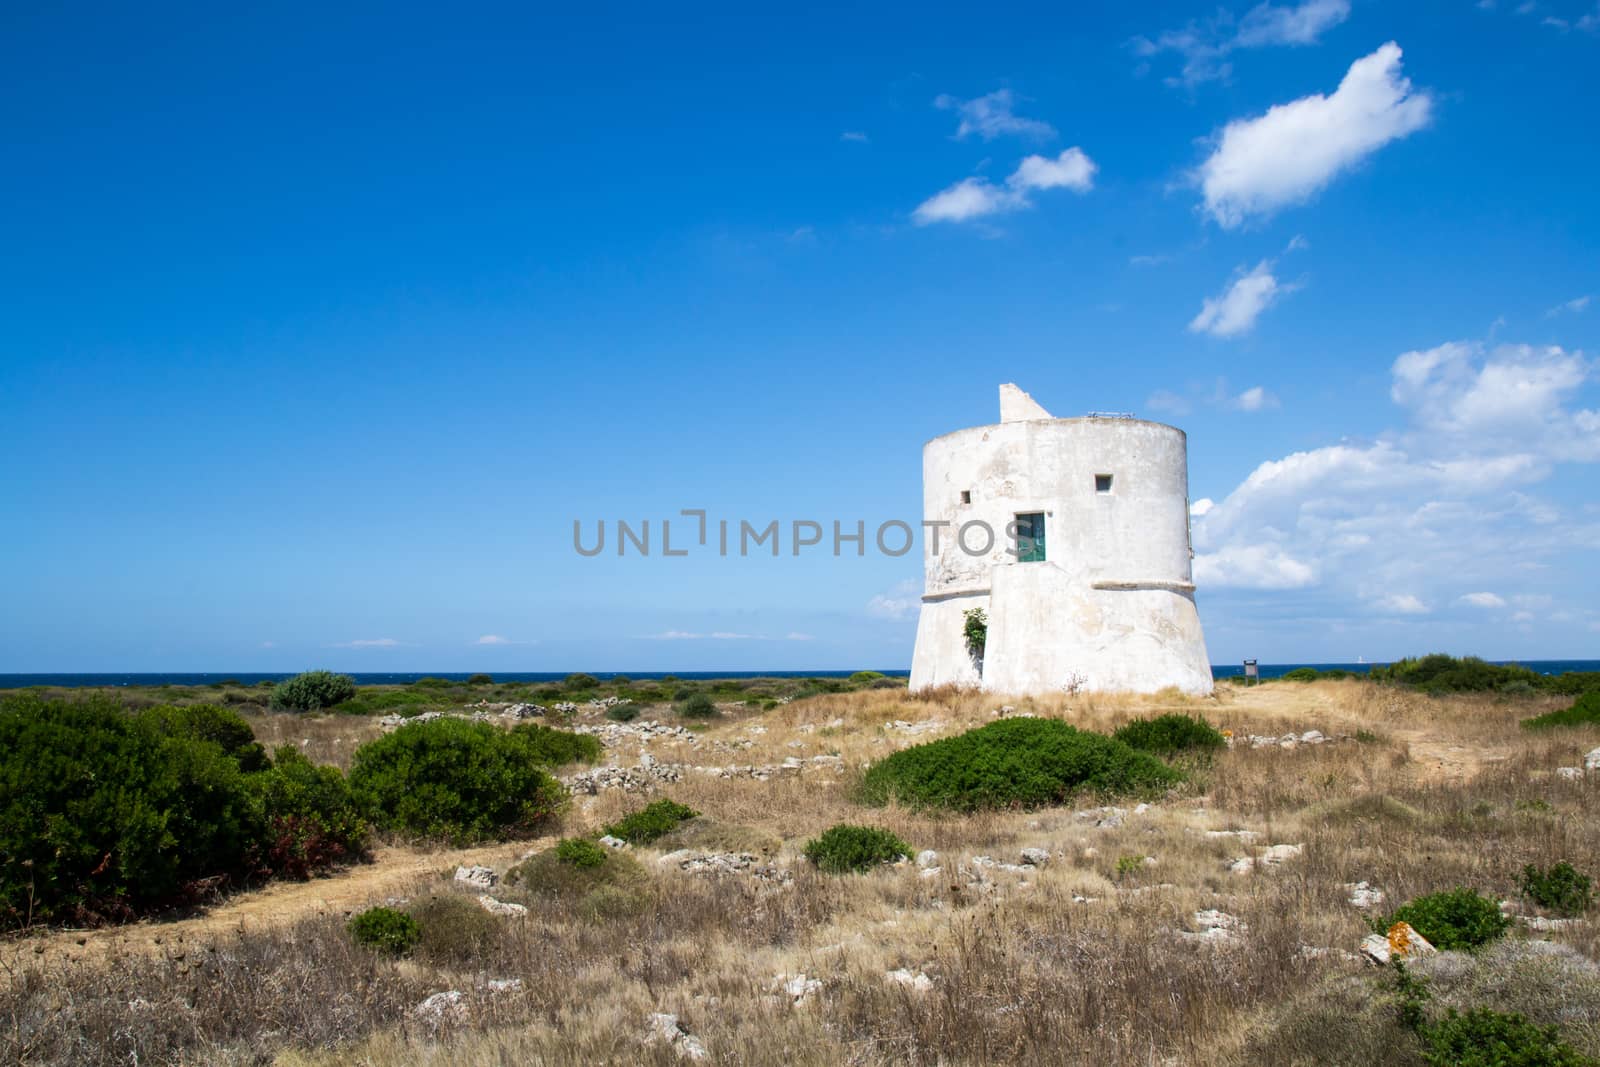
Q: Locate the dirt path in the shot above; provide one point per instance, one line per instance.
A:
(394, 871)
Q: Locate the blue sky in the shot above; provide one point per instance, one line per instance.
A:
(323, 327)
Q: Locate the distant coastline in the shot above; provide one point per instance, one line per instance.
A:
(71, 680)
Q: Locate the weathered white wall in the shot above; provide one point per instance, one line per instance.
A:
(1111, 606)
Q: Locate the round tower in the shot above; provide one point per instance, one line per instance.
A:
(1072, 535)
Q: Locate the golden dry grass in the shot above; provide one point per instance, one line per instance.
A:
(1081, 962)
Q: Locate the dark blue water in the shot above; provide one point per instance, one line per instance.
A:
(17, 681)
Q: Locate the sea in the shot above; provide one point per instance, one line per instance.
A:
(69, 680)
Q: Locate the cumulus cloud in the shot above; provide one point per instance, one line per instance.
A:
(1393, 525)
(1260, 165)
(1235, 311)
(975, 198)
(901, 601)
(1205, 46)
(992, 116)
(1255, 398)
(1570, 307)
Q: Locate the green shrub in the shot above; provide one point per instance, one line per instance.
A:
(313, 691)
(623, 712)
(1440, 673)
(866, 677)
(698, 706)
(654, 820)
(1454, 919)
(580, 852)
(556, 747)
(1483, 1037)
(431, 682)
(1560, 889)
(580, 681)
(1572, 683)
(480, 679)
(617, 885)
(1169, 734)
(207, 722)
(1300, 674)
(450, 778)
(385, 930)
(975, 628)
(310, 820)
(1585, 711)
(455, 930)
(103, 816)
(844, 849)
(1013, 763)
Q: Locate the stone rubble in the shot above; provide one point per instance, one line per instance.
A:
(477, 877)
(665, 1028)
(1592, 760)
(1036, 857)
(1272, 856)
(1364, 895)
(1571, 774)
(1402, 941)
(442, 1008)
(796, 987)
(613, 842)
(915, 981)
(642, 730)
(1289, 740)
(501, 907)
(694, 861)
(1213, 926)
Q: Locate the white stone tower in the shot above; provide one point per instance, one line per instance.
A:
(1100, 596)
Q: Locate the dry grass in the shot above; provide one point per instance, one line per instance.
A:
(1441, 792)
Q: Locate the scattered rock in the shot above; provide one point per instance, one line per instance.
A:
(1547, 926)
(442, 1008)
(1364, 895)
(1402, 942)
(693, 861)
(798, 987)
(1592, 760)
(1213, 926)
(1036, 857)
(501, 907)
(1571, 774)
(915, 981)
(477, 877)
(927, 858)
(503, 985)
(665, 1028)
(613, 842)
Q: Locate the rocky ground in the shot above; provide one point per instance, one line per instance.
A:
(1225, 923)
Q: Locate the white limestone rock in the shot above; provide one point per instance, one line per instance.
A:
(477, 877)
(501, 907)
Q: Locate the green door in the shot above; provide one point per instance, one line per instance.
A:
(1030, 537)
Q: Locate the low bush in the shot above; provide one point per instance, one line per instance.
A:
(1585, 711)
(580, 852)
(654, 820)
(866, 677)
(846, 849)
(1483, 1037)
(455, 929)
(1454, 919)
(698, 706)
(385, 930)
(1573, 683)
(554, 748)
(617, 885)
(207, 722)
(579, 681)
(623, 712)
(310, 819)
(1561, 888)
(1300, 674)
(1013, 763)
(1440, 673)
(1170, 734)
(458, 780)
(480, 679)
(313, 691)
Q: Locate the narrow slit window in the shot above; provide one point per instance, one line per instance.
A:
(1102, 483)
(1030, 537)
(966, 496)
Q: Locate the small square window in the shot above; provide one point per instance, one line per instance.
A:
(966, 496)
(1102, 483)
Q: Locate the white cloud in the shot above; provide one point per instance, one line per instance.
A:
(855, 136)
(799, 637)
(1206, 45)
(1292, 152)
(1447, 500)
(1401, 604)
(1236, 310)
(901, 601)
(974, 198)
(991, 116)
(718, 635)
(1573, 306)
(1201, 506)
(375, 642)
(496, 639)
(1255, 398)
(674, 635)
